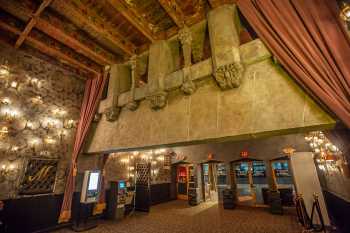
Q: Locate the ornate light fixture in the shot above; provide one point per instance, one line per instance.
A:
(4, 70)
(345, 11)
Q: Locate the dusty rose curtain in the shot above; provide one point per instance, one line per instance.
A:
(101, 205)
(92, 95)
(309, 42)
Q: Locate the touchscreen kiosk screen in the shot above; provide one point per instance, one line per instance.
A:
(93, 181)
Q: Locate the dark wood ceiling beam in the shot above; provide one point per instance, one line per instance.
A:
(32, 23)
(82, 18)
(133, 18)
(42, 47)
(24, 14)
(174, 11)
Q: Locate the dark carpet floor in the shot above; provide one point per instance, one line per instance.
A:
(179, 217)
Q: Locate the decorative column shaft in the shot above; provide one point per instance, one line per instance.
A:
(160, 64)
(133, 104)
(223, 26)
(185, 37)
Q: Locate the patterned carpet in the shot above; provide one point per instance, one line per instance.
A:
(179, 217)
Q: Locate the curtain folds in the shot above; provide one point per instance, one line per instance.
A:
(101, 205)
(92, 95)
(308, 40)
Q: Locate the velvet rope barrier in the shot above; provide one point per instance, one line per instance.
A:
(92, 95)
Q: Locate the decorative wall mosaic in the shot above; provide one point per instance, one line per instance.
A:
(39, 177)
(39, 109)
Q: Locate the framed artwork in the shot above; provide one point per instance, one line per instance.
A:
(39, 177)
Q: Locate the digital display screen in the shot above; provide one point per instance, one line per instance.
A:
(93, 181)
(121, 184)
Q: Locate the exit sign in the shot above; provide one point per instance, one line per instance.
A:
(244, 154)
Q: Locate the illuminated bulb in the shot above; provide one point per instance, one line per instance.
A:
(131, 175)
(14, 84)
(3, 167)
(14, 148)
(11, 167)
(143, 156)
(34, 141)
(131, 168)
(317, 150)
(160, 158)
(312, 145)
(320, 141)
(50, 140)
(124, 160)
(135, 153)
(154, 162)
(4, 130)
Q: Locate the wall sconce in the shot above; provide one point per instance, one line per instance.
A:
(59, 112)
(9, 114)
(4, 70)
(345, 11)
(8, 171)
(49, 140)
(68, 124)
(5, 101)
(3, 132)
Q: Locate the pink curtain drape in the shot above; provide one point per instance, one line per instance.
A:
(92, 95)
(308, 40)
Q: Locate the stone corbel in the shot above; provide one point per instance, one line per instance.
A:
(188, 86)
(229, 76)
(112, 113)
(158, 100)
(224, 42)
(132, 103)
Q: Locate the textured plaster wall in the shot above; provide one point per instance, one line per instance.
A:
(268, 102)
(59, 88)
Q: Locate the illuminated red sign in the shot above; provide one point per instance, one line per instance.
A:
(244, 154)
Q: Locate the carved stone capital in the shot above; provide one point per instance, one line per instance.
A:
(188, 86)
(132, 105)
(185, 36)
(112, 113)
(158, 100)
(229, 76)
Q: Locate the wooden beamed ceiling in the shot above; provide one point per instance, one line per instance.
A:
(90, 34)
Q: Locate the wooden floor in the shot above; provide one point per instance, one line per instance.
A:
(179, 217)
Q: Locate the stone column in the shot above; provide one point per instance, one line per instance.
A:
(133, 104)
(223, 24)
(119, 82)
(185, 37)
(160, 64)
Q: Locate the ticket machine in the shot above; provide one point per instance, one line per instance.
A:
(116, 200)
(91, 187)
